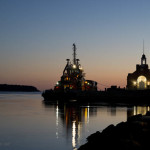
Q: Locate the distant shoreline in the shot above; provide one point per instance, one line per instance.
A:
(17, 88)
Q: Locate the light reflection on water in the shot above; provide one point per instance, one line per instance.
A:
(80, 121)
(28, 123)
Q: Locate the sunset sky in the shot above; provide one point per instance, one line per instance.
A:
(36, 37)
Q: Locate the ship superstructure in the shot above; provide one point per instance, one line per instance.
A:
(73, 78)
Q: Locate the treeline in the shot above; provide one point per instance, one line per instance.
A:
(20, 88)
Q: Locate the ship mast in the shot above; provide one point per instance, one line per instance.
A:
(74, 54)
(143, 46)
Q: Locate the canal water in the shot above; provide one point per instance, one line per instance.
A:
(27, 123)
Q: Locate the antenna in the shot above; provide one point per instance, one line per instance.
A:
(143, 58)
(74, 54)
(143, 46)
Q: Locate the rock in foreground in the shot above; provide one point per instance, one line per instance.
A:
(131, 135)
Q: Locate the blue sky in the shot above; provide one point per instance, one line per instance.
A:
(36, 37)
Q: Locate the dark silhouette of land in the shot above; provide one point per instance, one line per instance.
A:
(130, 135)
(18, 88)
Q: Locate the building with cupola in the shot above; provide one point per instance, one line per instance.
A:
(139, 79)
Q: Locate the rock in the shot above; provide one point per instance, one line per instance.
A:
(135, 118)
(109, 130)
(148, 113)
(130, 135)
(146, 119)
(94, 136)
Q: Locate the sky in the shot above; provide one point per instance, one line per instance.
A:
(36, 38)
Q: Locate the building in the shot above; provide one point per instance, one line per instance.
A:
(140, 79)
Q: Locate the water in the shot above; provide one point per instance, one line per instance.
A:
(26, 123)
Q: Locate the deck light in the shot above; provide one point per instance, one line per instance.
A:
(74, 66)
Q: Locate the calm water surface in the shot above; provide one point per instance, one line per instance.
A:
(27, 123)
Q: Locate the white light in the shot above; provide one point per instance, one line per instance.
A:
(80, 68)
(57, 83)
(148, 108)
(134, 82)
(74, 66)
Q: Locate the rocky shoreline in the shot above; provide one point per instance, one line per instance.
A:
(130, 135)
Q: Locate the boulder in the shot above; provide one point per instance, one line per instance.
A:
(130, 135)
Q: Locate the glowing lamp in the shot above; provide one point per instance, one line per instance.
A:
(134, 82)
(74, 66)
(80, 68)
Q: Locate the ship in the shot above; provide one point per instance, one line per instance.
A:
(72, 82)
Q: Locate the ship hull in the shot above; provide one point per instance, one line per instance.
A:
(126, 96)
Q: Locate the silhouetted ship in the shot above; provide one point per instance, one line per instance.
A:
(72, 82)
(73, 86)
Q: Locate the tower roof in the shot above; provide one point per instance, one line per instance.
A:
(143, 56)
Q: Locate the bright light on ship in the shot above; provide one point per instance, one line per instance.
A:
(74, 66)
(80, 68)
